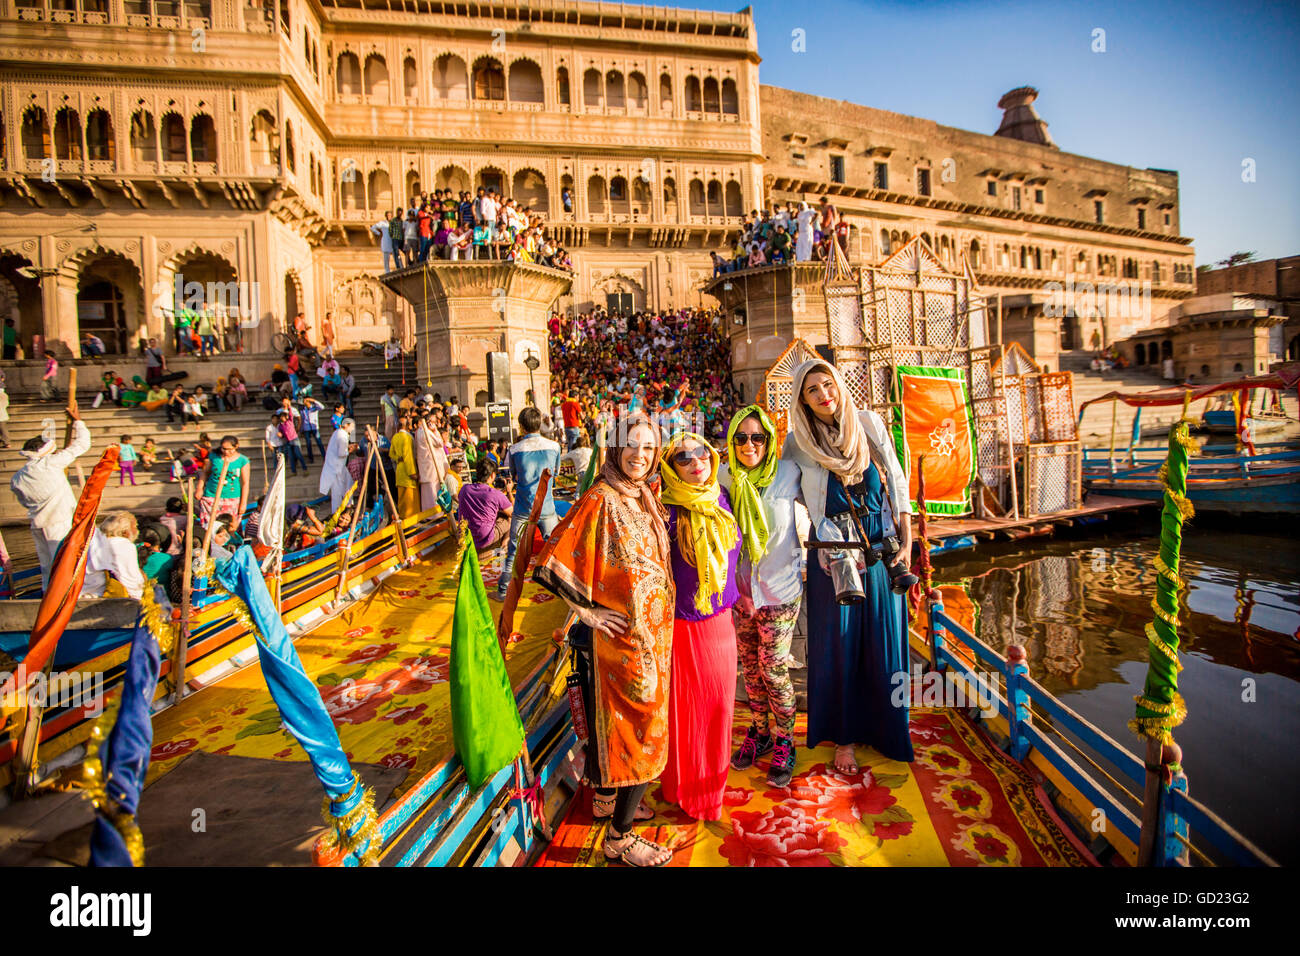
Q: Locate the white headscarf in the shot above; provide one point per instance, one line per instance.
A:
(842, 448)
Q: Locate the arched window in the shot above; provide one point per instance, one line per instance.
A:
(713, 197)
(1038, 259)
(562, 85)
(349, 75)
(36, 134)
(591, 88)
(640, 196)
(695, 198)
(925, 237)
(380, 190)
(735, 203)
(637, 92)
(203, 139)
(526, 82)
(1139, 354)
(528, 188)
(730, 98)
(285, 26)
(489, 177)
(67, 134)
(666, 93)
(173, 138)
(450, 79)
(144, 138)
(99, 135)
(712, 102)
(670, 198)
(1155, 270)
(265, 141)
(694, 102)
(412, 184)
(489, 79)
(451, 177)
(975, 261)
(376, 77)
(410, 79)
(884, 242)
(352, 189)
(289, 157)
(596, 196)
(618, 196)
(615, 93)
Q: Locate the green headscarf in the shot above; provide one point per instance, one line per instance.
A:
(746, 482)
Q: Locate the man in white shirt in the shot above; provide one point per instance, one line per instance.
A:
(41, 486)
(380, 229)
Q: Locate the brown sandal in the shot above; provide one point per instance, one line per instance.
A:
(634, 842)
(853, 760)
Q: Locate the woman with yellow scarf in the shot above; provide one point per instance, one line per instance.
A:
(705, 548)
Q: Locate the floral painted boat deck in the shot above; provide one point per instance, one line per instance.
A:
(961, 803)
(382, 669)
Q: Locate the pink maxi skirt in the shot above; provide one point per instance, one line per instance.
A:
(701, 698)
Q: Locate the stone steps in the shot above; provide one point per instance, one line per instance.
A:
(108, 423)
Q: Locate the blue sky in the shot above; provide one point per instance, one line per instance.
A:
(1195, 87)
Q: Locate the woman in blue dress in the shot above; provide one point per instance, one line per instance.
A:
(855, 651)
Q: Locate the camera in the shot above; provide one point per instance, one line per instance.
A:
(844, 566)
(901, 578)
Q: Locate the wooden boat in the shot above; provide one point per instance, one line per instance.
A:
(98, 640)
(1229, 483)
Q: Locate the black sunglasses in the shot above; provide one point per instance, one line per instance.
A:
(744, 438)
(684, 456)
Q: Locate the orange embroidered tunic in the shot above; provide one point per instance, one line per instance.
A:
(605, 552)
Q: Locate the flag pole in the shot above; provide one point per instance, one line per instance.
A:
(523, 556)
(72, 410)
(403, 551)
(345, 553)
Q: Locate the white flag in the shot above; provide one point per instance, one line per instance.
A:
(270, 525)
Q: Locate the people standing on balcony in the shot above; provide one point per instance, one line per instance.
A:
(411, 237)
(381, 229)
(566, 199)
(780, 245)
(829, 215)
(804, 223)
(397, 234)
(424, 223)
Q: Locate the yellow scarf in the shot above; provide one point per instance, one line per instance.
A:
(711, 530)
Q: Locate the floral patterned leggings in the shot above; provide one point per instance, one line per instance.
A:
(763, 640)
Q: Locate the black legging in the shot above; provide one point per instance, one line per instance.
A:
(628, 798)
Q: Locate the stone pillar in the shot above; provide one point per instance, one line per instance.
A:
(780, 304)
(464, 310)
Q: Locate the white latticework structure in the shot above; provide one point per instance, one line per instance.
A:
(912, 310)
(778, 385)
(1044, 433)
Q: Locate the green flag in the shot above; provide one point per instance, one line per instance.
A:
(484, 717)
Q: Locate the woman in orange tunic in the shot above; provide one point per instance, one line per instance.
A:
(609, 558)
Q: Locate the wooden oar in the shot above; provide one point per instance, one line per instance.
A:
(73, 410)
(372, 435)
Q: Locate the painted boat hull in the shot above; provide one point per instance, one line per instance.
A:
(1273, 495)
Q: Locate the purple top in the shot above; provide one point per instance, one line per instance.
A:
(479, 506)
(687, 578)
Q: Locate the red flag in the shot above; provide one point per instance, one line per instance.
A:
(66, 576)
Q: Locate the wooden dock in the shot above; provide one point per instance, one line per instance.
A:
(953, 534)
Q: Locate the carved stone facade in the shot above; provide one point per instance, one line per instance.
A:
(248, 147)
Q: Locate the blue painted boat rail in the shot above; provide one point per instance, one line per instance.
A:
(440, 821)
(1176, 812)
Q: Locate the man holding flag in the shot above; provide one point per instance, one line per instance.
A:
(41, 487)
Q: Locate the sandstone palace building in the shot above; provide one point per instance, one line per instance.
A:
(252, 145)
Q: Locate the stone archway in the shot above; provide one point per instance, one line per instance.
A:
(103, 288)
(629, 292)
(21, 299)
(198, 278)
(365, 310)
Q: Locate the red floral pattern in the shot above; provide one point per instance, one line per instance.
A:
(825, 793)
(371, 652)
(171, 749)
(783, 836)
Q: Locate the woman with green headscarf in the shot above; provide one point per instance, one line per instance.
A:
(702, 697)
(763, 490)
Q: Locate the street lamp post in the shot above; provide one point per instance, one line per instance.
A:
(532, 363)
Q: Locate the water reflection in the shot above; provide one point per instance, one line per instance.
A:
(1079, 608)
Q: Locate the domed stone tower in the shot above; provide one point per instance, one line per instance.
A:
(1020, 120)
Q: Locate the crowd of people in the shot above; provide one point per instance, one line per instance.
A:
(671, 363)
(785, 233)
(451, 225)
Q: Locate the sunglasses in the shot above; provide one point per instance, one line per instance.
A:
(744, 438)
(685, 457)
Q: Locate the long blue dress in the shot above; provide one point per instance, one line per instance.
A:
(855, 651)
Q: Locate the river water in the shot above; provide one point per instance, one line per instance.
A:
(1079, 607)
